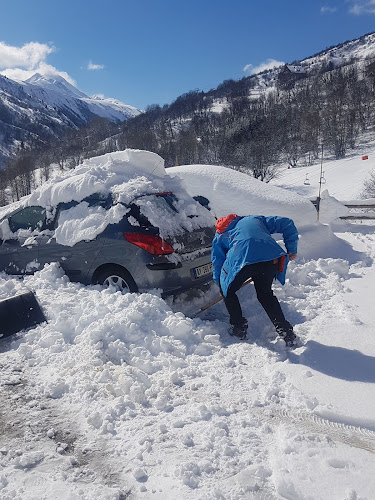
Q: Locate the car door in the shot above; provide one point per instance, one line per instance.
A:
(19, 245)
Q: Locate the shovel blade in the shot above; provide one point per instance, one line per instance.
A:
(19, 313)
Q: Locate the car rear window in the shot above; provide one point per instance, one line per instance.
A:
(167, 198)
(137, 216)
(159, 204)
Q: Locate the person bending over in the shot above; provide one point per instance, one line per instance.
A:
(244, 248)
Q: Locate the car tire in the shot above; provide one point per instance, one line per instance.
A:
(117, 277)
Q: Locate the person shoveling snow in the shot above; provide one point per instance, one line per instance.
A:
(242, 248)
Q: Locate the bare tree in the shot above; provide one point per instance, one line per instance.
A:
(369, 186)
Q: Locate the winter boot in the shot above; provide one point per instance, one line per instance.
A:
(239, 331)
(290, 339)
(287, 334)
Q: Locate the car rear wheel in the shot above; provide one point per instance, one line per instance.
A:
(117, 277)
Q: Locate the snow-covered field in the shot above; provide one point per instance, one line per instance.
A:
(131, 397)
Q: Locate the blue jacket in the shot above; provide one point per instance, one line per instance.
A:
(246, 240)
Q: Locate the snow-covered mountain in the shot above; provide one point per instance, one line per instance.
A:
(42, 107)
(59, 93)
(360, 52)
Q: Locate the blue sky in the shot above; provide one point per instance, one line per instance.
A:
(151, 51)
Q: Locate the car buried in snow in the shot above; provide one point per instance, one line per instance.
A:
(117, 220)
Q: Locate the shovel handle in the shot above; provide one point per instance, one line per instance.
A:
(218, 299)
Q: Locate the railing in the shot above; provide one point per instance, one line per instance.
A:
(367, 215)
(368, 212)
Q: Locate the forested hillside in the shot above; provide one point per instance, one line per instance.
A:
(284, 115)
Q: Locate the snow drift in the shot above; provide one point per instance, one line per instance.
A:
(252, 197)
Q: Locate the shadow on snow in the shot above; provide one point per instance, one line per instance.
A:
(337, 362)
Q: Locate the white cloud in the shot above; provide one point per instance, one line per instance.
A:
(29, 56)
(93, 67)
(20, 63)
(269, 64)
(328, 9)
(360, 7)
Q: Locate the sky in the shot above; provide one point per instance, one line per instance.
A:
(149, 52)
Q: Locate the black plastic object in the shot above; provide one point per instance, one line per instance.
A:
(18, 313)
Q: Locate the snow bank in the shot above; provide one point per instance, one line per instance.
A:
(230, 191)
(166, 406)
(97, 338)
(330, 208)
(234, 192)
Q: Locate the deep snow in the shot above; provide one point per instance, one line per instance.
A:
(128, 176)
(129, 396)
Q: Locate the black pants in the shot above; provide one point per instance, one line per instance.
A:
(262, 274)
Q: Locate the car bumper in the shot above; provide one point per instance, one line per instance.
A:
(174, 278)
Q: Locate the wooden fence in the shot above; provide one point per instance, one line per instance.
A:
(367, 210)
(366, 215)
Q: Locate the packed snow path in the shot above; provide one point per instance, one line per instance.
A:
(127, 397)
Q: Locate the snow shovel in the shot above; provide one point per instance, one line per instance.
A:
(217, 299)
(18, 313)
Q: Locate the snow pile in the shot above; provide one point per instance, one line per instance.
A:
(88, 329)
(126, 175)
(171, 407)
(83, 223)
(330, 209)
(251, 196)
(5, 232)
(103, 174)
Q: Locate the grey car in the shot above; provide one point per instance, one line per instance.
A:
(129, 255)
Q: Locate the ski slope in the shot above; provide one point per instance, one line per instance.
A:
(342, 178)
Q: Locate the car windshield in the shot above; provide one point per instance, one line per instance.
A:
(30, 218)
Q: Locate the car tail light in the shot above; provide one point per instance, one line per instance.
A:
(151, 244)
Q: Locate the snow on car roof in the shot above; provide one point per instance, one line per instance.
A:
(127, 175)
(140, 171)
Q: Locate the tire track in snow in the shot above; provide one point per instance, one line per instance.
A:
(356, 436)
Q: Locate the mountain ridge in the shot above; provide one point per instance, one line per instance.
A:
(43, 107)
(49, 105)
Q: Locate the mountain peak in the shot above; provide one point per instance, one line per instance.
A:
(56, 83)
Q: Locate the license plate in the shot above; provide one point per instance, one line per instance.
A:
(202, 270)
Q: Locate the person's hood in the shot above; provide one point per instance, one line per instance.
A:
(223, 223)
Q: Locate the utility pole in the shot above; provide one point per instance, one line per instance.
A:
(320, 184)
